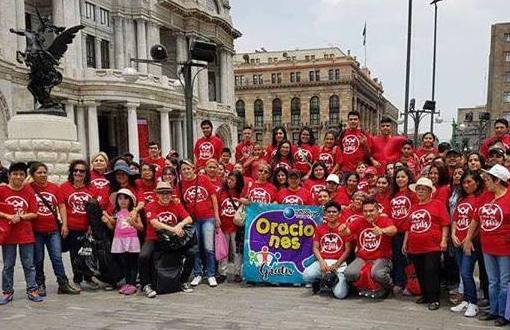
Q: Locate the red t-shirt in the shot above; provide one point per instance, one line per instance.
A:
(425, 225)
(442, 193)
(158, 163)
(145, 192)
(284, 162)
(387, 149)
(207, 148)
(413, 163)
(229, 168)
(215, 182)
(45, 221)
(23, 201)
(399, 208)
(314, 186)
(331, 243)
(422, 152)
(252, 169)
(244, 150)
(261, 192)
(99, 181)
(466, 210)
(342, 196)
(370, 246)
(304, 156)
(196, 195)
(228, 206)
(352, 150)
(75, 200)
(494, 218)
(300, 197)
(328, 156)
(170, 214)
(350, 215)
(384, 203)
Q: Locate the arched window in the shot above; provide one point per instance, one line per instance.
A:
(334, 110)
(295, 111)
(258, 111)
(277, 112)
(315, 111)
(240, 109)
(241, 114)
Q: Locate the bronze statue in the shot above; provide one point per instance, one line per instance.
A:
(42, 60)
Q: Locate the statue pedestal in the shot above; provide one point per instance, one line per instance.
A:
(45, 138)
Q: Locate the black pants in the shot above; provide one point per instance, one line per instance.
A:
(146, 263)
(72, 243)
(427, 267)
(129, 264)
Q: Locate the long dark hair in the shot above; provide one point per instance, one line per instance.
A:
(312, 136)
(410, 178)
(239, 182)
(318, 164)
(152, 169)
(478, 179)
(274, 178)
(117, 206)
(75, 162)
(278, 154)
(480, 157)
(115, 186)
(275, 130)
(444, 176)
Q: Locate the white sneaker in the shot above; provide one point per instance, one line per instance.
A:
(212, 281)
(471, 310)
(460, 307)
(196, 280)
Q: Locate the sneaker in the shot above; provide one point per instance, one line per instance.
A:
(185, 287)
(471, 310)
(460, 307)
(66, 288)
(91, 285)
(149, 293)
(42, 290)
(487, 317)
(6, 298)
(123, 288)
(196, 280)
(130, 289)
(34, 296)
(212, 281)
(500, 322)
(483, 304)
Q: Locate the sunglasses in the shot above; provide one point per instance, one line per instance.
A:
(263, 171)
(76, 170)
(164, 192)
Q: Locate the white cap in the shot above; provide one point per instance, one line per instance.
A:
(500, 172)
(425, 182)
(333, 178)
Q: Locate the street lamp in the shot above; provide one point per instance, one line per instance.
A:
(434, 2)
(418, 114)
(408, 64)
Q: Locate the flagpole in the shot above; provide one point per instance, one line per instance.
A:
(365, 42)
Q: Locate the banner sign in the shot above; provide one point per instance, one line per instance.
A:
(278, 242)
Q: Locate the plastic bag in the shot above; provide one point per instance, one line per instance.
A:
(220, 245)
(365, 281)
(240, 216)
(412, 285)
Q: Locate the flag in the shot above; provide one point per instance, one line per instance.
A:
(364, 34)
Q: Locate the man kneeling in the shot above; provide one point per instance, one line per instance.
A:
(373, 235)
(331, 250)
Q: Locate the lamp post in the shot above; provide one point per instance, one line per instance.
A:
(434, 2)
(418, 114)
(408, 64)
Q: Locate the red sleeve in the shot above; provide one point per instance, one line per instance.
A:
(181, 212)
(238, 155)
(32, 202)
(442, 213)
(355, 226)
(211, 189)
(317, 235)
(339, 158)
(61, 194)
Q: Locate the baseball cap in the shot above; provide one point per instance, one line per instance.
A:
(333, 178)
(499, 171)
(497, 152)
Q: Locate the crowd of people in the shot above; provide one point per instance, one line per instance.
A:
(387, 204)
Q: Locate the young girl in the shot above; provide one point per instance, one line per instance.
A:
(125, 238)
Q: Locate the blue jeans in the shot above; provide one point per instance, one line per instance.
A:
(205, 229)
(398, 273)
(498, 271)
(53, 244)
(466, 266)
(313, 273)
(26, 253)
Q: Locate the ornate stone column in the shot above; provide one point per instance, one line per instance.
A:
(133, 129)
(119, 42)
(80, 126)
(165, 131)
(141, 44)
(93, 128)
(69, 105)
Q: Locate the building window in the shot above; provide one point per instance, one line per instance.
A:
(270, 60)
(293, 58)
(105, 54)
(237, 80)
(257, 60)
(261, 81)
(273, 78)
(211, 83)
(507, 37)
(90, 11)
(241, 114)
(104, 14)
(337, 74)
(507, 76)
(307, 58)
(311, 75)
(90, 44)
(258, 111)
(295, 112)
(252, 61)
(334, 110)
(331, 73)
(507, 56)
(315, 111)
(292, 77)
(279, 78)
(28, 22)
(317, 75)
(298, 76)
(275, 59)
(506, 97)
(277, 112)
(258, 137)
(312, 57)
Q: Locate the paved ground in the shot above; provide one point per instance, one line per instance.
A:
(228, 306)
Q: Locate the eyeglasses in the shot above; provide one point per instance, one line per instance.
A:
(331, 211)
(77, 170)
(264, 171)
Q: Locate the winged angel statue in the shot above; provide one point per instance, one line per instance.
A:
(42, 60)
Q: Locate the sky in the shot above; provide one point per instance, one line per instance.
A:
(463, 42)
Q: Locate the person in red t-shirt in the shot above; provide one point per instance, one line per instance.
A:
(22, 200)
(438, 174)
(354, 211)
(228, 167)
(279, 134)
(99, 166)
(146, 185)
(155, 158)
(164, 213)
(207, 147)
(261, 191)
(331, 250)
(329, 154)
(244, 150)
(382, 194)
(372, 234)
(426, 237)
(46, 230)
(386, 148)
(493, 221)
(344, 193)
(250, 166)
(410, 158)
(500, 137)
(294, 193)
(427, 147)
(200, 199)
(355, 144)
(283, 156)
(306, 153)
(317, 179)
(211, 172)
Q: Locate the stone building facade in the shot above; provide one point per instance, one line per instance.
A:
(498, 96)
(312, 87)
(115, 112)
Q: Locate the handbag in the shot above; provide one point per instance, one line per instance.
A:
(169, 242)
(220, 245)
(240, 216)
